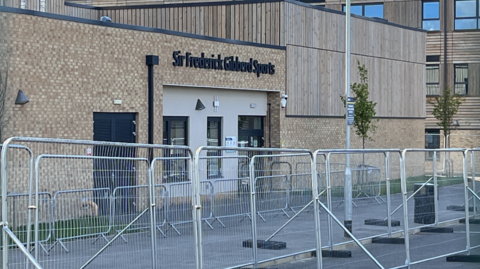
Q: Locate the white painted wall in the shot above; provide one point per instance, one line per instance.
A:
(181, 101)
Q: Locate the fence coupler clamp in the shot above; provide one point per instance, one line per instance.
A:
(34, 207)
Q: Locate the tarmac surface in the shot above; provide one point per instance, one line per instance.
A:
(223, 238)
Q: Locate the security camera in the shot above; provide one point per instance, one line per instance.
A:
(105, 19)
(283, 102)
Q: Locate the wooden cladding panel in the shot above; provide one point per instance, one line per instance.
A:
(462, 47)
(81, 13)
(408, 13)
(315, 80)
(257, 22)
(467, 115)
(465, 46)
(16, 4)
(474, 79)
(319, 29)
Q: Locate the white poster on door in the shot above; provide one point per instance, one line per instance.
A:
(230, 141)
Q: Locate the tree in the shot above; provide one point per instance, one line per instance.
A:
(3, 93)
(364, 123)
(444, 109)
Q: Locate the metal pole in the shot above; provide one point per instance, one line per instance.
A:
(151, 61)
(467, 219)
(153, 221)
(196, 210)
(253, 212)
(403, 183)
(389, 202)
(316, 210)
(435, 187)
(4, 222)
(348, 173)
(474, 183)
(329, 201)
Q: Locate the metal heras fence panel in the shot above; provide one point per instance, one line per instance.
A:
(75, 215)
(247, 188)
(141, 196)
(347, 218)
(22, 226)
(432, 201)
(231, 200)
(86, 165)
(272, 194)
(179, 204)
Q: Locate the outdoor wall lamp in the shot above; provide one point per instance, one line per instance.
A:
(283, 101)
(199, 105)
(21, 98)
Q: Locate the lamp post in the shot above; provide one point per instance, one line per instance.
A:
(348, 173)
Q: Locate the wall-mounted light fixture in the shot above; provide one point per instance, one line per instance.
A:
(283, 102)
(105, 19)
(199, 105)
(21, 98)
(456, 123)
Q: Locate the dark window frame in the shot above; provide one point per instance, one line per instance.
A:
(476, 18)
(464, 82)
(168, 119)
(435, 144)
(217, 173)
(363, 8)
(433, 83)
(431, 19)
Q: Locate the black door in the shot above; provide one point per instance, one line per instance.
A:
(250, 134)
(114, 127)
(250, 131)
(175, 132)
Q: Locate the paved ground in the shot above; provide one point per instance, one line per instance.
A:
(222, 246)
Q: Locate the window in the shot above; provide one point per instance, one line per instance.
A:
(433, 80)
(466, 14)
(431, 15)
(461, 79)
(432, 141)
(367, 10)
(175, 164)
(214, 138)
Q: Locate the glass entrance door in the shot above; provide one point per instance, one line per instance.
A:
(250, 134)
(250, 131)
(175, 132)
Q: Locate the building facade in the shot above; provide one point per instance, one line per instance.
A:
(256, 74)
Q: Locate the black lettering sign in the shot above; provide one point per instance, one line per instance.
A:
(228, 63)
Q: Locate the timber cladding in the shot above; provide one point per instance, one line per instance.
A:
(394, 57)
(260, 22)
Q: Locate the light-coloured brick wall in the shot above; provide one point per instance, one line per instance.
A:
(329, 133)
(69, 70)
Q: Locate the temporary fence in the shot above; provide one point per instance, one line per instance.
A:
(19, 227)
(67, 221)
(82, 177)
(120, 218)
(157, 206)
(264, 196)
(472, 198)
